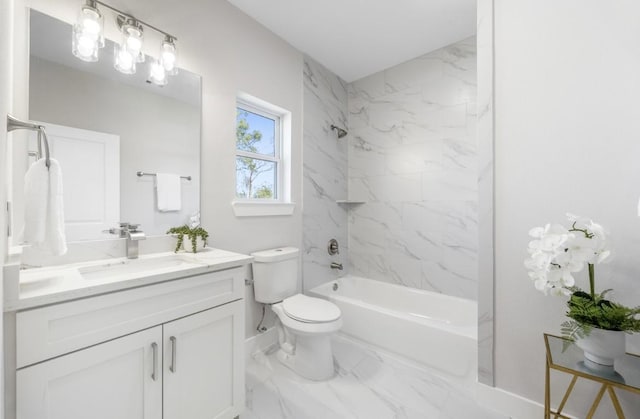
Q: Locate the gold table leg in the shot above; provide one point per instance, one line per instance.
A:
(616, 403)
(596, 402)
(547, 391)
(566, 396)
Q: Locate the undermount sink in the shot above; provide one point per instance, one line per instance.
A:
(132, 267)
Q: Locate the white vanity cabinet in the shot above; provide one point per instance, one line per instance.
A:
(201, 360)
(172, 350)
(111, 380)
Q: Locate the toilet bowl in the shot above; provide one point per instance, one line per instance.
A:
(305, 324)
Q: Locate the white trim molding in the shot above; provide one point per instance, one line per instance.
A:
(512, 405)
(262, 209)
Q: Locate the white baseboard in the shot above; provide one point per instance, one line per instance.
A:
(509, 404)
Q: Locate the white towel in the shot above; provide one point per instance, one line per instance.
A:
(43, 208)
(168, 192)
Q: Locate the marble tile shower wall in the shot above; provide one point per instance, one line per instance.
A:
(325, 173)
(413, 158)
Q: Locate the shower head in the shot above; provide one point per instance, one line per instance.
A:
(341, 132)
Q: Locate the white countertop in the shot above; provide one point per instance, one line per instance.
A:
(50, 285)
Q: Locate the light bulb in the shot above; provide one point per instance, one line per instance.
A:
(168, 60)
(86, 46)
(169, 55)
(91, 25)
(134, 44)
(157, 74)
(125, 62)
(87, 33)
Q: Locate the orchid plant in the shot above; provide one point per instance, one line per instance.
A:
(558, 253)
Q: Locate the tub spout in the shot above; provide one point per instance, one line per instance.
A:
(335, 265)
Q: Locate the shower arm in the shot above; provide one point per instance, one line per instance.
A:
(341, 132)
(14, 124)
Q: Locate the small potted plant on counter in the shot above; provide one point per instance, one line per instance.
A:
(192, 233)
(597, 324)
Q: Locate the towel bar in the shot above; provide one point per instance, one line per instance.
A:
(140, 174)
(14, 124)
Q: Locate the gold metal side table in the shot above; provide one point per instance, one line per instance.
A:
(571, 361)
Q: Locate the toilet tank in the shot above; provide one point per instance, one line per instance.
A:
(275, 274)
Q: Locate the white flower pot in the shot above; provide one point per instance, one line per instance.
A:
(186, 245)
(602, 347)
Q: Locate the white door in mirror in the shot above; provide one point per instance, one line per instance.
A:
(90, 163)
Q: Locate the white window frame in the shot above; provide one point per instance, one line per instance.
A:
(276, 158)
(282, 204)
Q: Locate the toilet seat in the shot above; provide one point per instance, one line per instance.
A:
(310, 310)
(306, 327)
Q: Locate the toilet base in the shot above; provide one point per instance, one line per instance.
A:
(312, 357)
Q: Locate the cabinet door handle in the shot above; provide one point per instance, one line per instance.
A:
(174, 348)
(154, 351)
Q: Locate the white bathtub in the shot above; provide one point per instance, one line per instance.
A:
(433, 329)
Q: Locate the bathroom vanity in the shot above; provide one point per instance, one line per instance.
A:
(156, 337)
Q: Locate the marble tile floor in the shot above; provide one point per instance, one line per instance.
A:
(369, 384)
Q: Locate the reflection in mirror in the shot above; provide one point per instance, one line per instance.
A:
(104, 127)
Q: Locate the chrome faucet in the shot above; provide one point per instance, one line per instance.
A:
(335, 265)
(133, 235)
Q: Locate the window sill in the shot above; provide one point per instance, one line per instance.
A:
(262, 209)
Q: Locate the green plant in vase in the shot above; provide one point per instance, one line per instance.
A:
(192, 233)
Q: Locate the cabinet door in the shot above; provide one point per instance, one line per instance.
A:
(203, 364)
(116, 379)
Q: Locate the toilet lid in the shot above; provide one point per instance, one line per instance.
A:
(310, 310)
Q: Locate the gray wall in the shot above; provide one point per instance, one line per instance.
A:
(567, 140)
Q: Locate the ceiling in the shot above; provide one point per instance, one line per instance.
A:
(356, 38)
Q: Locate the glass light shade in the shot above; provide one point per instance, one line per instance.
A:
(157, 74)
(125, 62)
(169, 56)
(129, 52)
(87, 34)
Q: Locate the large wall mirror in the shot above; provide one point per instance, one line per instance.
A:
(104, 127)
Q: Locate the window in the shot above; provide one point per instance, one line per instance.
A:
(258, 153)
(263, 159)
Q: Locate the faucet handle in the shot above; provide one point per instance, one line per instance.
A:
(333, 247)
(134, 227)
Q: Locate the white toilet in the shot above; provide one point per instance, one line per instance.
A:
(305, 323)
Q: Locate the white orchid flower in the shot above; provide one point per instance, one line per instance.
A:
(557, 253)
(603, 256)
(537, 232)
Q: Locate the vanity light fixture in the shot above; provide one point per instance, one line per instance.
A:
(88, 39)
(87, 33)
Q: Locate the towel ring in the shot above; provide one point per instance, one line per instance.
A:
(15, 123)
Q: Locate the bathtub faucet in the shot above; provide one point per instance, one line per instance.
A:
(335, 265)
